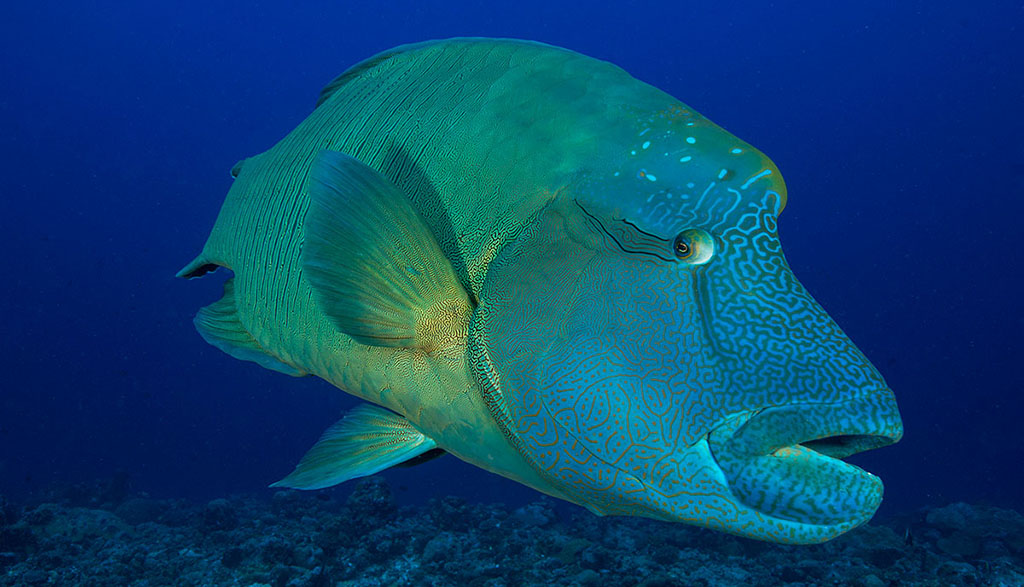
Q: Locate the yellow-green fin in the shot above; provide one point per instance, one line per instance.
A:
(376, 268)
(219, 325)
(367, 440)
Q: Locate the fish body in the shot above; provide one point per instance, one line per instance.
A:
(527, 258)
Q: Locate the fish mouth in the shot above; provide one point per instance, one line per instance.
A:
(785, 462)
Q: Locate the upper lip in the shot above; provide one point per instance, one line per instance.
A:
(834, 429)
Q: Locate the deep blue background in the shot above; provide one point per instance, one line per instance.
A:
(898, 126)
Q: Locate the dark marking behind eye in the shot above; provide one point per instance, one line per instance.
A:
(631, 239)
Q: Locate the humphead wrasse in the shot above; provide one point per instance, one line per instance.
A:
(527, 258)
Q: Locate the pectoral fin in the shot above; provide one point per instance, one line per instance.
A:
(367, 440)
(376, 269)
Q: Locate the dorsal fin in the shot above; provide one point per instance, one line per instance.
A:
(238, 167)
(383, 56)
(352, 72)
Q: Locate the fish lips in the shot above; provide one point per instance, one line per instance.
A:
(784, 461)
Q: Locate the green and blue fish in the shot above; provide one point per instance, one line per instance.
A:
(526, 258)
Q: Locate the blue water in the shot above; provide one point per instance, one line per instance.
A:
(898, 127)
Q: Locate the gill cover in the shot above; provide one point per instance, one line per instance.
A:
(563, 346)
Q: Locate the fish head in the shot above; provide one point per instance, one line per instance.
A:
(647, 348)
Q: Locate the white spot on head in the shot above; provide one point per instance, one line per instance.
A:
(632, 152)
(691, 140)
(736, 151)
(685, 159)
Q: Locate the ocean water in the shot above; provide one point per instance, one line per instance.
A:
(897, 125)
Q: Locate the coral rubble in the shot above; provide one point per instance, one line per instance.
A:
(310, 539)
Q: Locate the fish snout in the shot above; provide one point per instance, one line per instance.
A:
(785, 461)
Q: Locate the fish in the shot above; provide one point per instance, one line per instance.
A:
(528, 259)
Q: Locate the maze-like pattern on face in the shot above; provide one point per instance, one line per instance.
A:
(645, 307)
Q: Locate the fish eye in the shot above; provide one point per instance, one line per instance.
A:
(694, 246)
(681, 247)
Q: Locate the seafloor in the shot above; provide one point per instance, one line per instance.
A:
(101, 535)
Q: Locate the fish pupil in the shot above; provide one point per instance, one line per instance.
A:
(682, 248)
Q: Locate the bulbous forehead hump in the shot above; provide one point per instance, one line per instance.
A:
(676, 168)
